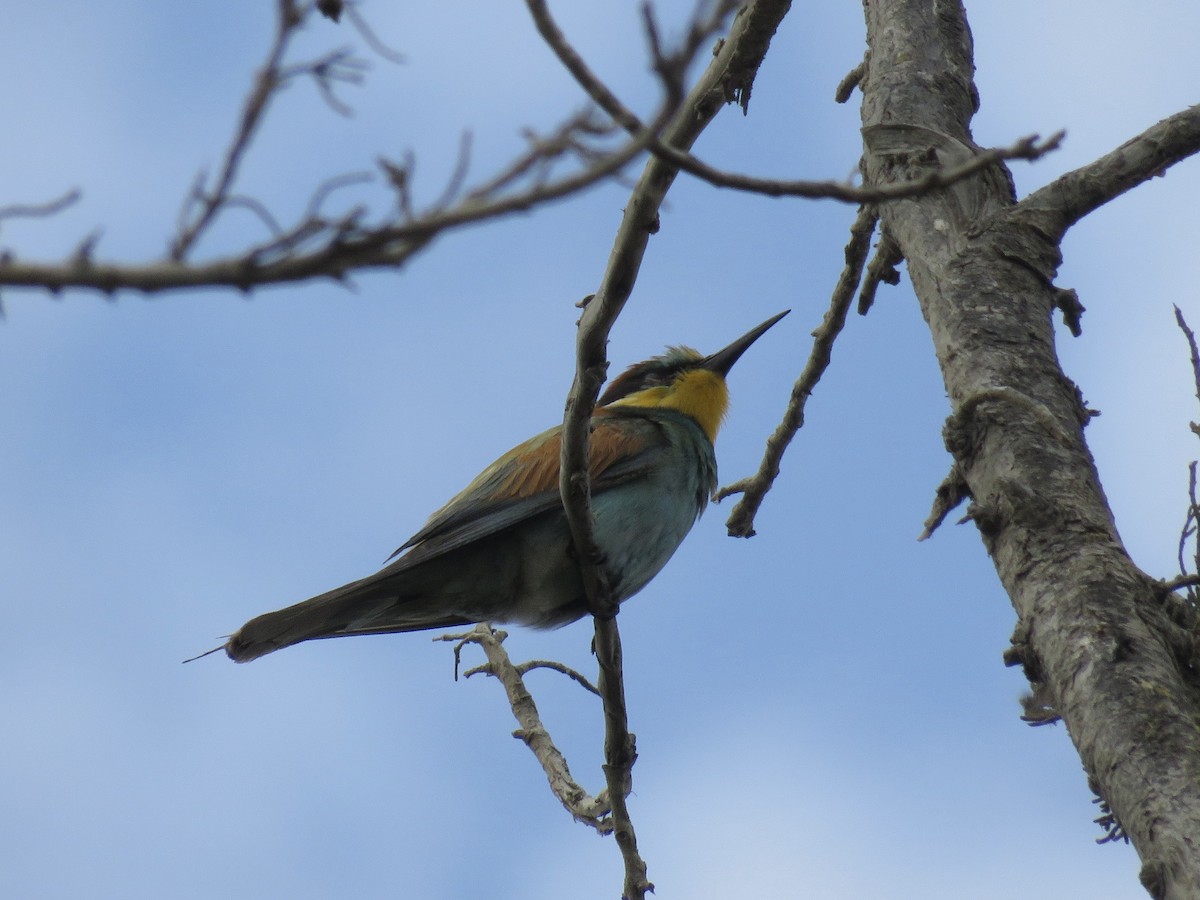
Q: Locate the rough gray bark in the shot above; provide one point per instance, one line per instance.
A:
(1096, 635)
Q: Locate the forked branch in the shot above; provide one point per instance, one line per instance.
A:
(575, 156)
(592, 811)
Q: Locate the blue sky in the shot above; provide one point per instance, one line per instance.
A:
(821, 711)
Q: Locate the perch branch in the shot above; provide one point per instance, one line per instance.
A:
(727, 78)
(592, 811)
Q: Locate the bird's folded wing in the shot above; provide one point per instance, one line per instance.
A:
(525, 482)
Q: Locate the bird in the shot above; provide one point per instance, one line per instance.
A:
(500, 550)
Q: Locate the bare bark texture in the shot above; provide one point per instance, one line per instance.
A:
(1094, 633)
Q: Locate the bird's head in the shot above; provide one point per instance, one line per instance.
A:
(682, 379)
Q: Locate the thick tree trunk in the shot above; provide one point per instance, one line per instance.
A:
(1094, 633)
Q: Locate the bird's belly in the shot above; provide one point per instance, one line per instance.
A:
(639, 531)
(636, 535)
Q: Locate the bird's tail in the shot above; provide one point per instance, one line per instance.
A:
(361, 607)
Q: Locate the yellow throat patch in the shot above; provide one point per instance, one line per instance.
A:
(699, 393)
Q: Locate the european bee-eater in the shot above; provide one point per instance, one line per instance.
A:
(500, 551)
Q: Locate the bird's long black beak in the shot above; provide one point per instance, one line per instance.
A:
(722, 361)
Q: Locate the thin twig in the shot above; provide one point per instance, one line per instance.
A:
(389, 245)
(1169, 587)
(1194, 353)
(754, 488)
(540, 149)
(578, 677)
(258, 209)
(574, 63)
(1027, 148)
(336, 66)
(331, 9)
(950, 493)
(1191, 522)
(880, 270)
(40, 210)
(329, 186)
(459, 175)
(852, 80)
(368, 34)
(266, 83)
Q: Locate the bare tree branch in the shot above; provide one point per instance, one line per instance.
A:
(620, 753)
(592, 811)
(288, 21)
(1072, 196)
(337, 66)
(321, 246)
(39, 210)
(346, 244)
(727, 76)
(368, 34)
(1193, 356)
(880, 270)
(1028, 148)
(554, 666)
(1191, 522)
(1183, 581)
(847, 85)
(949, 494)
(331, 9)
(738, 57)
(754, 488)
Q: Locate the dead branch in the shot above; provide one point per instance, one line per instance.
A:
(740, 53)
(733, 67)
(578, 677)
(1070, 197)
(266, 84)
(1028, 148)
(368, 34)
(880, 270)
(334, 245)
(40, 210)
(341, 245)
(852, 80)
(592, 811)
(754, 488)
(1183, 581)
(950, 493)
(1191, 522)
